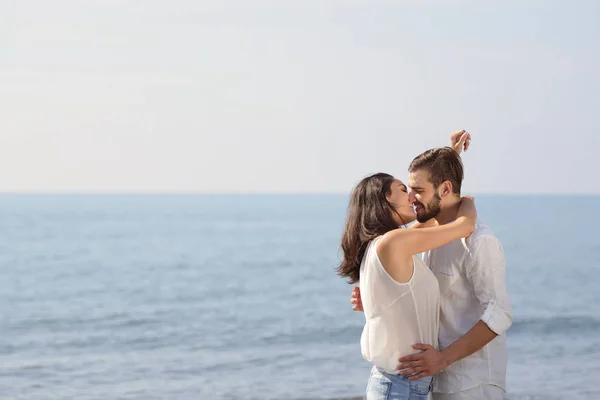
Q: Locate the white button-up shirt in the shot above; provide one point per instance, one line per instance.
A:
(471, 275)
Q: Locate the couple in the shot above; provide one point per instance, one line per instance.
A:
(444, 315)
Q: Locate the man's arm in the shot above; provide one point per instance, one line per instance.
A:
(477, 337)
(488, 276)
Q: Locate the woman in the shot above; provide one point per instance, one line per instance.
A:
(400, 295)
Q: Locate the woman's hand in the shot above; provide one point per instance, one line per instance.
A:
(460, 140)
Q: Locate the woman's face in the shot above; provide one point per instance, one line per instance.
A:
(399, 198)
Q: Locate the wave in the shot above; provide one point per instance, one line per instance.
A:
(556, 325)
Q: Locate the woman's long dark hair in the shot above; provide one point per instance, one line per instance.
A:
(370, 214)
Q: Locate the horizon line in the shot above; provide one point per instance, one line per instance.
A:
(266, 193)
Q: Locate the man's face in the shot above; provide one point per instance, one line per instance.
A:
(423, 195)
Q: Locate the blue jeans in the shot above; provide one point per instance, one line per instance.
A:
(384, 386)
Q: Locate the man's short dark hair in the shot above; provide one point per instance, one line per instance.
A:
(443, 164)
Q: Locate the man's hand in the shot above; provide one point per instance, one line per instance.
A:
(460, 140)
(355, 299)
(427, 363)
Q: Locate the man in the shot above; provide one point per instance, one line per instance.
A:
(475, 308)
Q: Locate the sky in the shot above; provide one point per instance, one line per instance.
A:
(307, 96)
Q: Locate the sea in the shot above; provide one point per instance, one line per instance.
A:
(216, 297)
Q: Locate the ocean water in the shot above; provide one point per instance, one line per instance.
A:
(236, 297)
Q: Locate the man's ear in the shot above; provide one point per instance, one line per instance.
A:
(446, 189)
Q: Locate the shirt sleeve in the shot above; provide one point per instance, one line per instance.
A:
(487, 274)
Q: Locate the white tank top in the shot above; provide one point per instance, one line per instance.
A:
(398, 315)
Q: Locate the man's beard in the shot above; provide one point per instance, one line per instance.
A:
(431, 211)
